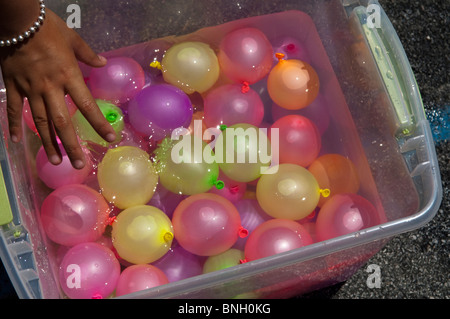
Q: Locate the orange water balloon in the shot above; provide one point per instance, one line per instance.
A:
(336, 173)
(292, 84)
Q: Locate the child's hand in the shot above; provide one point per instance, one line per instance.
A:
(44, 69)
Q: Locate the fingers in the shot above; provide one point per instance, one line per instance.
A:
(45, 129)
(81, 49)
(85, 54)
(60, 118)
(14, 104)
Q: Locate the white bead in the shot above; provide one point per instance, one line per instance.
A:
(33, 29)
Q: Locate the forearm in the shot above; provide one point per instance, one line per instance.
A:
(16, 16)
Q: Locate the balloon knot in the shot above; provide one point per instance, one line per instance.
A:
(242, 232)
(168, 236)
(223, 127)
(290, 47)
(245, 87)
(324, 192)
(243, 261)
(111, 117)
(111, 220)
(97, 296)
(156, 65)
(219, 184)
(280, 56)
(234, 189)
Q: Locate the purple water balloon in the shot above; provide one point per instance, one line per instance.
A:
(139, 277)
(159, 109)
(89, 271)
(165, 200)
(179, 264)
(74, 214)
(291, 48)
(252, 215)
(276, 236)
(232, 104)
(118, 82)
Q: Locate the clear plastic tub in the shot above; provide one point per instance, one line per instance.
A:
(380, 120)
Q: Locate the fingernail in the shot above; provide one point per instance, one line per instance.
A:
(14, 138)
(54, 159)
(78, 164)
(102, 58)
(111, 137)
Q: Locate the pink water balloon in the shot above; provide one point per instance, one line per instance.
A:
(140, 277)
(232, 104)
(206, 224)
(299, 140)
(165, 200)
(117, 82)
(179, 264)
(276, 236)
(74, 214)
(245, 55)
(344, 214)
(317, 112)
(89, 271)
(55, 176)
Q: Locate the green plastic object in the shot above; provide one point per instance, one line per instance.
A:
(6, 215)
(386, 60)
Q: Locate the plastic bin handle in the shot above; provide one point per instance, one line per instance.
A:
(387, 55)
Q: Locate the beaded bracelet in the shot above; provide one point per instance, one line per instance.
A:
(30, 31)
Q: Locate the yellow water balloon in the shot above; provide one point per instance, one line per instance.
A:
(288, 191)
(142, 234)
(191, 66)
(187, 166)
(243, 152)
(127, 177)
